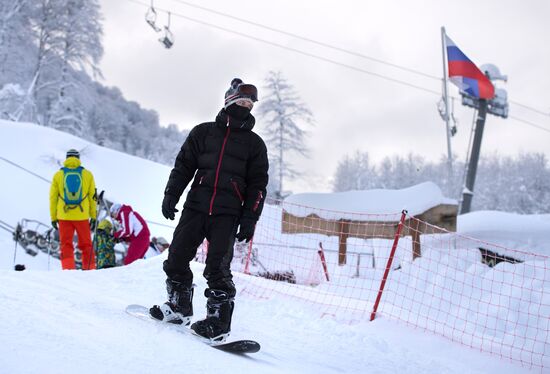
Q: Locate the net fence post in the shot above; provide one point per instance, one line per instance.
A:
(321, 253)
(388, 264)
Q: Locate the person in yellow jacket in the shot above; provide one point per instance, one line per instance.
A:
(72, 204)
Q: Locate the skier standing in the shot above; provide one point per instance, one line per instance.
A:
(72, 203)
(229, 165)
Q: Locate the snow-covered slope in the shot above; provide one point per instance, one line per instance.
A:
(73, 321)
(41, 150)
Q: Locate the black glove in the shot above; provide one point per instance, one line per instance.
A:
(169, 206)
(246, 229)
(54, 225)
(93, 222)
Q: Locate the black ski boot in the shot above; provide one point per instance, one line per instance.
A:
(179, 307)
(219, 309)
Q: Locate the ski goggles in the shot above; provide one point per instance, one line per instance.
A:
(247, 91)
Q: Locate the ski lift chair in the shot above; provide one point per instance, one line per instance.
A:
(151, 17)
(168, 39)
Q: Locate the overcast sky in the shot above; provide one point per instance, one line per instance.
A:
(353, 110)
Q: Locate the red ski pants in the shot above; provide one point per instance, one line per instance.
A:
(138, 246)
(66, 234)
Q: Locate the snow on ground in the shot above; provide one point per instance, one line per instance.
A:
(72, 321)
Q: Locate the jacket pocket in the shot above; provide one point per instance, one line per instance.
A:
(237, 190)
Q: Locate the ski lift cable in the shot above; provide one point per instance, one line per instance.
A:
(312, 55)
(530, 108)
(530, 123)
(6, 226)
(27, 170)
(336, 48)
(309, 40)
(334, 62)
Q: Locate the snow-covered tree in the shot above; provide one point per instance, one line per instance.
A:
(520, 185)
(16, 55)
(514, 184)
(355, 173)
(79, 49)
(49, 56)
(284, 116)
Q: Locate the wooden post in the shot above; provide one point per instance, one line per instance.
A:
(342, 242)
(415, 236)
(416, 245)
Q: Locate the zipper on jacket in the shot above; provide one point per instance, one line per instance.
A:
(218, 168)
(258, 200)
(236, 187)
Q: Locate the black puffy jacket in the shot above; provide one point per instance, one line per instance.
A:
(229, 163)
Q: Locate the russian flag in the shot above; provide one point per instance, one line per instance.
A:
(466, 75)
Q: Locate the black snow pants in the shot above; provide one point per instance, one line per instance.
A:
(190, 232)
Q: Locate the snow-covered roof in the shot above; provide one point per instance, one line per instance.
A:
(346, 205)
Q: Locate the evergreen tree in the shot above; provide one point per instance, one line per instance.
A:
(79, 49)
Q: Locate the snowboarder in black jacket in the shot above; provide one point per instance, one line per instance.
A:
(228, 165)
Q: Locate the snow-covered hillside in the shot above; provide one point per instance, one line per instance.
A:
(41, 150)
(72, 321)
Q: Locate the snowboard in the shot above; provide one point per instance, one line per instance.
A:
(237, 346)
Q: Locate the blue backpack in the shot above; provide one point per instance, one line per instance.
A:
(72, 187)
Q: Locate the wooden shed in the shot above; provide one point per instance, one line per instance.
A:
(434, 220)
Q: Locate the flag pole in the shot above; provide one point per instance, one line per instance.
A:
(446, 99)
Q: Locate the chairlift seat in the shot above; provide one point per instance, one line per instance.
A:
(151, 18)
(168, 39)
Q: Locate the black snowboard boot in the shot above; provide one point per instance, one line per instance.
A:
(219, 309)
(179, 307)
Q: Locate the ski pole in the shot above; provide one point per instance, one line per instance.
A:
(16, 236)
(98, 199)
(14, 254)
(49, 247)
